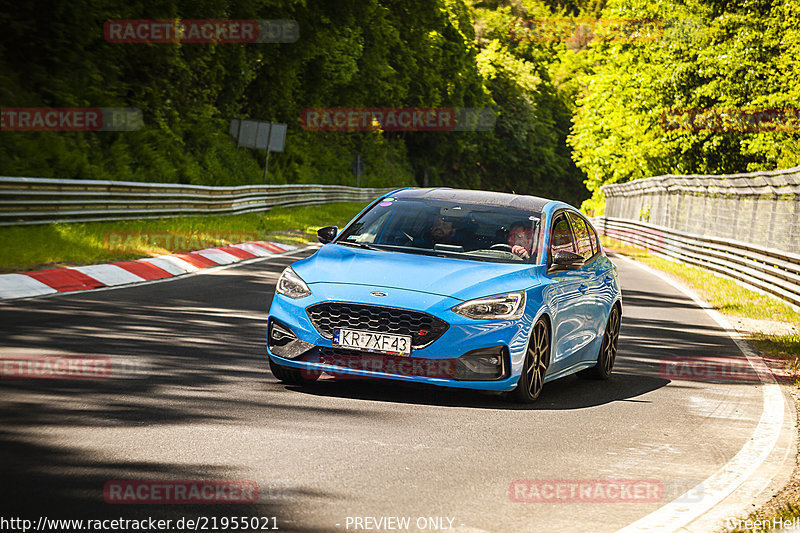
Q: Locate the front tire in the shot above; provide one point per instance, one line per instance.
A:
(292, 376)
(537, 359)
(608, 349)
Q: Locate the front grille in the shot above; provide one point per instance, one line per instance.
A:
(422, 327)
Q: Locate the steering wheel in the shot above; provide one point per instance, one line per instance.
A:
(501, 246)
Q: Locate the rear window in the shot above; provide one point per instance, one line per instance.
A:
(583, 237)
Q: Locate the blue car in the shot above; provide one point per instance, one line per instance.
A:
(457, 288)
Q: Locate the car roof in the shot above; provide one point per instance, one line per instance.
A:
(488, 198)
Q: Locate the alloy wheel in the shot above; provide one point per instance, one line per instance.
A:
(610, 340)
(537, 359)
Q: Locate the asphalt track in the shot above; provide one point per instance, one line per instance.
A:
(191, 397)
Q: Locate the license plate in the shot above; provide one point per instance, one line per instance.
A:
(372, 342)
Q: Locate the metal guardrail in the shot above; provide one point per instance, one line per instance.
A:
(774, 271)
(777, 182)
(25, 201)
(761, 208)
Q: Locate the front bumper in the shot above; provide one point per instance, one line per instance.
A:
(436, 364)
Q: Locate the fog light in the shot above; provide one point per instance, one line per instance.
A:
(280, 334)
(284, 343)
(483, 364)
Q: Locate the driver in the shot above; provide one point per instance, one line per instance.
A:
(520, 238)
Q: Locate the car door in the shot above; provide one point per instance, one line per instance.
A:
(608, 283)
(570, 301)
(593, 269)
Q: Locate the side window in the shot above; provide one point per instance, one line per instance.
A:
(595, 240)
(582, 237)
(561, 236)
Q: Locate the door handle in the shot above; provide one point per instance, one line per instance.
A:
(583, 288)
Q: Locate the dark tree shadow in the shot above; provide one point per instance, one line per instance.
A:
(191, 351)
(174, 359)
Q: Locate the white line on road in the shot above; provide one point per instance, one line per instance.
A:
(702, 498)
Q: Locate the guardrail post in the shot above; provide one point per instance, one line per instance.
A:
(794, 232)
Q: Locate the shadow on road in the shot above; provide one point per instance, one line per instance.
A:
(646, 341)
(195, 354)
(568, 393)
(175, 359)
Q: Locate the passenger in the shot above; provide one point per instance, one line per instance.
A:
(445, 230)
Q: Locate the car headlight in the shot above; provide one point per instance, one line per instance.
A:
(291, 285)
(509, 306)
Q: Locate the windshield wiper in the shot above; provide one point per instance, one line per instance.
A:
(363, 245)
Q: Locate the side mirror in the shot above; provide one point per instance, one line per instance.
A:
(567, 260)
(327, 234)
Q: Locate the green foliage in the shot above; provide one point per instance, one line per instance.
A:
(569, 113)
(596, 205)
(734, 55)
(351, 53)
(527, 149)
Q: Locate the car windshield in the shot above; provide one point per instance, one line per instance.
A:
(469, 231)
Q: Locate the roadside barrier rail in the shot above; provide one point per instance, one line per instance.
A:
(760, 208)
(774, 271)
(25, 201)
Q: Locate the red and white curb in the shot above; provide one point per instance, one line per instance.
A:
(57, 280)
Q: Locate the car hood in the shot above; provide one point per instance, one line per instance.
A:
(444, 276)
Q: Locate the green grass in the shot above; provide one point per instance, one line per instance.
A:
(28, 248)
(781, 346)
